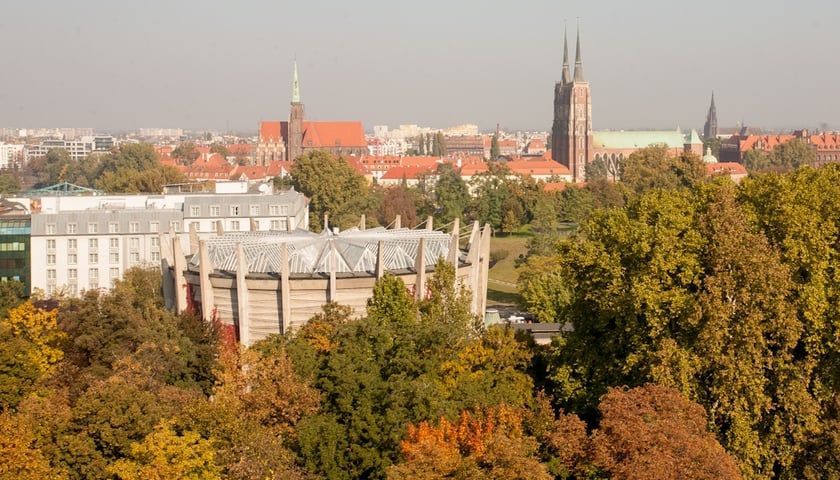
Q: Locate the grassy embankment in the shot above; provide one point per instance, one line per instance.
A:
(503, 276)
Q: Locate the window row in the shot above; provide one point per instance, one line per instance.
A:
(235, 210)
(113, 227)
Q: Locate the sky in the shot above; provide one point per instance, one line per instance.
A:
(226, 65)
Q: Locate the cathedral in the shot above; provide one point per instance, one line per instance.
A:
(571, 133)
(573, 142)
(285, 141)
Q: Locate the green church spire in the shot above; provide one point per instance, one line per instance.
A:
(296, 87)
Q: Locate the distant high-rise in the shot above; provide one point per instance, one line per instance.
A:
(710, 129)
(571, 132)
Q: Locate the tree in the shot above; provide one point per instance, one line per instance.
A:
(20, 456)
(332, 186)
(491, 444)
(654, 432)
(166, 454)
(452, 197)
(220, 149)
(397, 200)
(186, 153)
(494, 147)
(38, 327)
(655, 167)
(9, 184)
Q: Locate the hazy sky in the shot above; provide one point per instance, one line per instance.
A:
(224, 64)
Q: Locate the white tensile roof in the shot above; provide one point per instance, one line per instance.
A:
(311, 253)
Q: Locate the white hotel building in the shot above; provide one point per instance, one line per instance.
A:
(87, 242)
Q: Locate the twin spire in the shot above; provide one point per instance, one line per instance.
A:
(578, 63)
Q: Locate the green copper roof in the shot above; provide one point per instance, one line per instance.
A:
(694, 139)
(622, 140)
(296, 88)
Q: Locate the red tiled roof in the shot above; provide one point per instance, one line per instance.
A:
(538, 167)
(333, 134)
(240, 148)
(270, 131)
(470, 169)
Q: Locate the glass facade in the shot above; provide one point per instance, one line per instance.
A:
(15, 250)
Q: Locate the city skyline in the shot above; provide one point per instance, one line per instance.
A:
(208, 66)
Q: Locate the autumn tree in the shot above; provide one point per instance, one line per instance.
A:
(165, 454)
(653, 432)
(489, 444)
(20, 456)
(186, 153)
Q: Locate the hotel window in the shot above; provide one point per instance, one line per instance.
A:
(114, 272)
(71, 229)
(50, 274)
(93, 227)
(114, 258)
(175, 226)
(113, 227)
(134, 243)
(93, 243)
(93, 273)
(215, 210)
(214, 225)
(72, 289)
(71, 258)
(255, 210)
(133, 227)
(195, 211)
(234, 225)
(195, 226)
(93, 258)
(274, 210)
(51, 244)
(50, 229)
(71, 244)
(93, 285)
(134, 257)
(281, 224)
(234, 210)
(114, 243)
(51, 259)
(155, 242)
(155, 256)
(154, 227)
(72, 274)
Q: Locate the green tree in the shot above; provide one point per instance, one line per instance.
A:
(452, 197)
(332, 186)
(655, 167)
(9, 184)
(494, 148)
(185, 153)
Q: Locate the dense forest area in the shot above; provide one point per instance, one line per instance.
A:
(703, 344)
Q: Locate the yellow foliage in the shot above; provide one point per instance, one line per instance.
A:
(39, 327)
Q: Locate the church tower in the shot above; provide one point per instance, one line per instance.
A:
(295, 121)
(571, 132)
(710, 128)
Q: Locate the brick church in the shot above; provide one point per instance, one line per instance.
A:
(285, 141)
(573, 142)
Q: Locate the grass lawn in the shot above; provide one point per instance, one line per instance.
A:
(501, 285)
